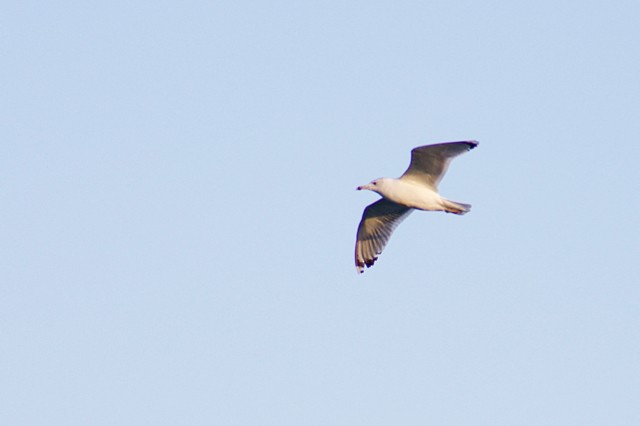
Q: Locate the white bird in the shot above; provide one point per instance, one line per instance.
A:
(416, 189)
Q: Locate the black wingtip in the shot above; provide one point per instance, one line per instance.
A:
(470, 144)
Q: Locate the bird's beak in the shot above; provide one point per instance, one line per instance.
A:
(359, 188)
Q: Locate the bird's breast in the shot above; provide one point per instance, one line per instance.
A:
(414, 195)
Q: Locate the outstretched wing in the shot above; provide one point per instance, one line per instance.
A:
(429, 163)
(378, 222)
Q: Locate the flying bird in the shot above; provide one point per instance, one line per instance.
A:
(416, 189)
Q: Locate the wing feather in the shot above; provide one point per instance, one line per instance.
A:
(429, 163)
(376, 226)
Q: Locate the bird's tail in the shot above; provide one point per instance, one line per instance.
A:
(455, 207)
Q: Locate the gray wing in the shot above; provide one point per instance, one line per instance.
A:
(429, 163)
(378, 222)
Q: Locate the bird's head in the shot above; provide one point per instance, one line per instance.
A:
(376, 185)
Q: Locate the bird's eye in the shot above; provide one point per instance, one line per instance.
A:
(375, 183)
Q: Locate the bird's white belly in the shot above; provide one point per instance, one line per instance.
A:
(415, 196)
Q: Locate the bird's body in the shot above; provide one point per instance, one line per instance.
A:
(408, 193)
(416, 189)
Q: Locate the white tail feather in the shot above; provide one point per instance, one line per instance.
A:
(455, 207)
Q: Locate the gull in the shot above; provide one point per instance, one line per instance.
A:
(416, 189)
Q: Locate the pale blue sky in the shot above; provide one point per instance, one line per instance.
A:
(179, 213)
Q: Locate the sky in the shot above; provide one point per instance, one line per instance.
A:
(179, 213)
